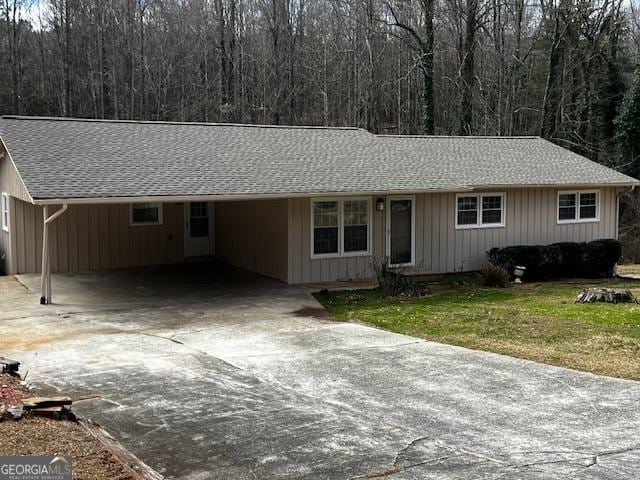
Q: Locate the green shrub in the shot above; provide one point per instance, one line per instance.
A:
(571, 258)
(601, 257)
(509, 257)
(594, 259)
(494, 276)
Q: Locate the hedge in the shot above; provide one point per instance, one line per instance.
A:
(594, 259)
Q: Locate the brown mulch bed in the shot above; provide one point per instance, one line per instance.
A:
(11, 391)
(42, 436)
(32, 435)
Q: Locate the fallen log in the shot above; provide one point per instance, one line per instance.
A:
(607, 295)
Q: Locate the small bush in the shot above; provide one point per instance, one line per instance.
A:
(594, 259)
(393, 284)
(494, 276)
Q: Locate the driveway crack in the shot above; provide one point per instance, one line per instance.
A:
(196, 350)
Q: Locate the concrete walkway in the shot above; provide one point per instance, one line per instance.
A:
(227, 375)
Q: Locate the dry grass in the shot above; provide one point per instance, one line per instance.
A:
(631, 269)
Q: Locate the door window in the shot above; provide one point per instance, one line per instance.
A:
(199, 225)
(401, 231)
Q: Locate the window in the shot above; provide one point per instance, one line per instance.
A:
(467, 210)
(4, 211)
(199, 221)
(574, 207)
(356, 226)
(340, 227)
(146, 214)
(566, 206)
(480, 211)
(325, 228)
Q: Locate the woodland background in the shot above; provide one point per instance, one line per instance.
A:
(563, 69)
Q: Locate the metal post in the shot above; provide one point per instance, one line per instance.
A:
(44, 284)
(45, 279)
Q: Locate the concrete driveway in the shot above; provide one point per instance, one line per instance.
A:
(227, 375)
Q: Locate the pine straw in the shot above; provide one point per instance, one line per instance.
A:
(40, 436)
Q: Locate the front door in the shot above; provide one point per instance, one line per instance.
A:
(198, 236)
(401, 231)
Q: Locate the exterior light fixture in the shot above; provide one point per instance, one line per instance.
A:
(380, 204)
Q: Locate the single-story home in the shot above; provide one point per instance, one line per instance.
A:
(300, 204)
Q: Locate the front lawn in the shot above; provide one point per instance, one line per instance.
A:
(535, 321)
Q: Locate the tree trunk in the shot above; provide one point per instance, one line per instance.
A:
(468, 68)
(426, 63)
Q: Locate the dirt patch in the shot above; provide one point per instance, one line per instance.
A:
(30, 340)
(601, 355)
(313, 312)
(40, 436)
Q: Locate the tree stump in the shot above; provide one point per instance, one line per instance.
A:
(608, 295)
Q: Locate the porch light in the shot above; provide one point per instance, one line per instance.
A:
(380, 204)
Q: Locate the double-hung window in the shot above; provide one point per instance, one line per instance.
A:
(578, 206)
(326, 228)
(340, 227)
(145, 214)
(482, 210)
(4, 211)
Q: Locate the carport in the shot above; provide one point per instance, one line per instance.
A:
(97, 195)
(105, 235)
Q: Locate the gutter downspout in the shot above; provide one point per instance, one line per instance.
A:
(45, 279)
(618, 195)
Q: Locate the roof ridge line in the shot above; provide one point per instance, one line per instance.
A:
(160, 122)
(473, 137)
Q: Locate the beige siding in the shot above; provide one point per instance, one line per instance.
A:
(10, 180)
(303, 269)
(440, 248)
(10, 183)
(253, 235)
(95, 237)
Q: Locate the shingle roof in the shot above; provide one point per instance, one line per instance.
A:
(70, 158)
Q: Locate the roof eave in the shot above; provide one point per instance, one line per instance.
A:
(271, 196)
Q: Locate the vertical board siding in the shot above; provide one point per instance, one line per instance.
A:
(273, 237)
(254, 235)
(10, 183)
(440, 248)
(10, 180)
(303, 269)
(96, 237)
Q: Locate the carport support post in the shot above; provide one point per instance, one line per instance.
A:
(45, 279)
(44, 283)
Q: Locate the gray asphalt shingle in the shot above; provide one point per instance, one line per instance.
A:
(60, 158)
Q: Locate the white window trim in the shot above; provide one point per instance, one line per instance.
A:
(138, 224)
(577, 218)
(412, 263)
(4, 204)
(479, 223)
(341, 253)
